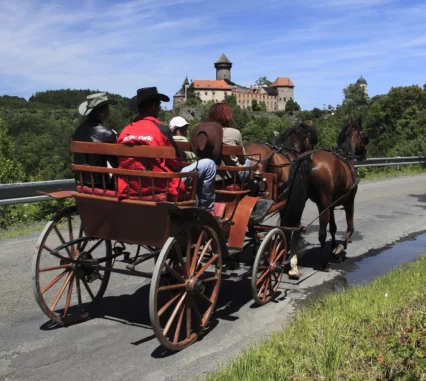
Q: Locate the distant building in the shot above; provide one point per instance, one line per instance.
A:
(275, 96)
(363, 83)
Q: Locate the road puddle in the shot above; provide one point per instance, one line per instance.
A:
(382, 261)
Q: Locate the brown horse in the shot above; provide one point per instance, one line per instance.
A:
(276, 157)
(328, 179)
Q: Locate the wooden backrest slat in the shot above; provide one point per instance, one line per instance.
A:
(227, 150)
(132, 172)
(123, 150)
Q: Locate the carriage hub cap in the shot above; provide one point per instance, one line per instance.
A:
(194, 285)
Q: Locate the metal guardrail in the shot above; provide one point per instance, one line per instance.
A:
(20, 193)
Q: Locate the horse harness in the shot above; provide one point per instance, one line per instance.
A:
(348, 159)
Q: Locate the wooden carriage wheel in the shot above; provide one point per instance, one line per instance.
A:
(185, 285)
(67, 292)
(268, 266)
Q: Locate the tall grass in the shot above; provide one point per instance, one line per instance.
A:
(357, 335)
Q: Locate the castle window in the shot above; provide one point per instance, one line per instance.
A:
(285, 99)
(213, 92)
(280, 98)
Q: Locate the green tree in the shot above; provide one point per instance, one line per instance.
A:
(10, 168)
(263, 81)
(254, 105)
(291, 107)
(231, 100)
(253, 133)
(192, 97)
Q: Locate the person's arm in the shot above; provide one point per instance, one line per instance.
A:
(112, 138)
(174, 164)
(241, 159)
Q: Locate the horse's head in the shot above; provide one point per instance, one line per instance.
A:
(353, 139)
(307, 137)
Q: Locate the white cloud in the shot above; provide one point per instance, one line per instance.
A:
(122, 46)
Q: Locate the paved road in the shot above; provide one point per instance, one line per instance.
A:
(120, 345)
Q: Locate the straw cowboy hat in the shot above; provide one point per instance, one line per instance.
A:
(206, 140)
(146, 94)
(93, 101)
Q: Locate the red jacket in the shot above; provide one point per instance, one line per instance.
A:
(149, 131)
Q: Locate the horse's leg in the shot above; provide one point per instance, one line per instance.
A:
(349, 207)
(333, 229)
(322, 235)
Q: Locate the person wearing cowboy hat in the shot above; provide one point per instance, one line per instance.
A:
(95, 111)
(179, 127)
(146, 129)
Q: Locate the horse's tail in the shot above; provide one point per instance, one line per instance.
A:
(298, 185)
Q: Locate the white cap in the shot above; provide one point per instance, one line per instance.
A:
(177, 122)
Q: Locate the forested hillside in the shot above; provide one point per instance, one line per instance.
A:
(35, 135)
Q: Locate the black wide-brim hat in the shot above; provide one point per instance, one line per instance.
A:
(206, 140)
(146, 94)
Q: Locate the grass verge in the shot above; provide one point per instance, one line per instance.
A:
(371, 332)
(22, 229)
(378, 173)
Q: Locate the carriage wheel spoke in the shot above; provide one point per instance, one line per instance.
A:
(211, 279)
(77, 284)
(61, 291)
(180, 258)
(208, 263)
(95, 246)
(196, 312)
(71, 236)
(67, 266)
(278, 283)
(168, 304)
(261, 289)
(80, 234)
(195, 255)
(276, 251)
(275, 276)
(203, 253)
(262, 277)
(172, 287)
(188, 321)
(262, 268)
(174, 273)
(277, 258)
(265, 292)
(179, 326)
(174, 313)
(47, 248)
(272, 253)
(54, 281)
(61, 238)
(265, 257)
(88, 289)
(67, 304)
(206, 299)
(188, 251)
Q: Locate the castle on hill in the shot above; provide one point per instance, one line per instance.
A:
(275, 96)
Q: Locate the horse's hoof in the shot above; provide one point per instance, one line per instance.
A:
(338, 258)
(338, 249)
(326, 268)
(294, 276)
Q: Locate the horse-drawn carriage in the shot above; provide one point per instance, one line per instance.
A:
(75, 254)
(74, 260)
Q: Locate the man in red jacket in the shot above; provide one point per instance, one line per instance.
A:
(146, 129)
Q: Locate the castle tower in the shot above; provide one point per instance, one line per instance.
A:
(185, 86)
(223, 68)
(181, 96)
(285, 90)
(363, 83)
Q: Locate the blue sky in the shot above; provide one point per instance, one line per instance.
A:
(120, 46)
